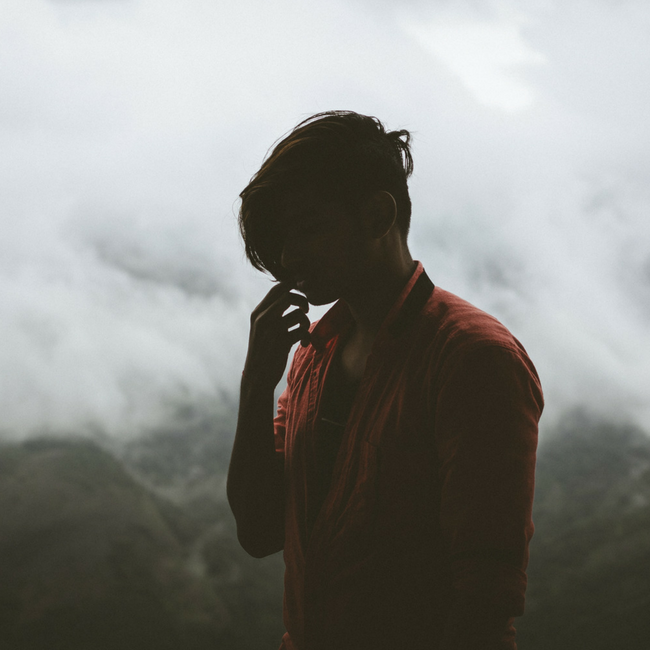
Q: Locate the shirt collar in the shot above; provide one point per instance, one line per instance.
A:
(408, 304)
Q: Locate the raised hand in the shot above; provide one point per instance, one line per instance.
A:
(273, 333)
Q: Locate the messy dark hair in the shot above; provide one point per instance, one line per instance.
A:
(336, 156)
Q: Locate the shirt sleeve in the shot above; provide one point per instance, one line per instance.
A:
(487, 415)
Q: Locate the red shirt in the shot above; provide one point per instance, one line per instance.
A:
(427, 524)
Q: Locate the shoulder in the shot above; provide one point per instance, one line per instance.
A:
(460, 324)
(461, 335)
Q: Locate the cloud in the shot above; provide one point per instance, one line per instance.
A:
(485, 54)
(129, 129)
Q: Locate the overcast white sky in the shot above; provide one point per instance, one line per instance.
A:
(128, 128)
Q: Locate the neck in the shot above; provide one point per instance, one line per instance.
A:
(376, 294)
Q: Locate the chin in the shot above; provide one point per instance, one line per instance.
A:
(321, 301)
(318, 298)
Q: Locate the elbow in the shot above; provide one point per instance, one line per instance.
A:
(260, 529)
(257, 541)
(259, 546)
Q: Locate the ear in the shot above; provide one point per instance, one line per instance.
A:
(380, 212)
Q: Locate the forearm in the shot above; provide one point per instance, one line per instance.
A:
(255, 485)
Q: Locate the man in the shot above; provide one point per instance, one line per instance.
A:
(398, 472)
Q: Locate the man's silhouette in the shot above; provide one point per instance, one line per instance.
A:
(398, 472)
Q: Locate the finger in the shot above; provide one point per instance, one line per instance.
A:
(297, 332)
(277, 290)
(296, 317)
(283, 302)
(300, 333)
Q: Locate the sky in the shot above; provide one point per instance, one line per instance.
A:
(129, 127)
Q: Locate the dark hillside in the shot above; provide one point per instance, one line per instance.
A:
(87, 560)
(589, 575)
(138, 551)
(186, 464)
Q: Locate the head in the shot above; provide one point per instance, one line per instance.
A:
(321, 187)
